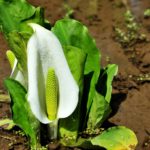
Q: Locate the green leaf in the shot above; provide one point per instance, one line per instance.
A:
(104, 85)
(73, 33)
(21, 113)
(76, 61)
(15, 14)
(37, 17)
(116, 138)
(100, 108)
(99, 111)
(111, 71)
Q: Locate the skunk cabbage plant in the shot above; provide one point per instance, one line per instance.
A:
(57, 80)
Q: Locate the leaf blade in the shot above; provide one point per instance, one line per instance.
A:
(73, 33)
(22, 116)
(116, 138)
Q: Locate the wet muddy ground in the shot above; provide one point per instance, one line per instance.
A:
(131, 88)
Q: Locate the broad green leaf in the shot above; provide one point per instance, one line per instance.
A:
(99, 111)
(116, 138)
(21, 113)
(76, 60)
(15, 14)
(100, 108)
(111, 71)
(104, 85)
(73, 33)
(38, 18)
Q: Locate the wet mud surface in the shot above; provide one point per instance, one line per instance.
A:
(131, 88)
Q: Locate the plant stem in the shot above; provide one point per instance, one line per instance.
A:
(53, 129)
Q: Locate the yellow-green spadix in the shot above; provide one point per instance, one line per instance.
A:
(16, 73)
(11, 58)
(44, 52)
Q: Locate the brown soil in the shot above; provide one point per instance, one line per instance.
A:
(131, 98)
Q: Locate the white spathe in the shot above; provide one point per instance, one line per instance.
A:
(17, 74)
(44, 51)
